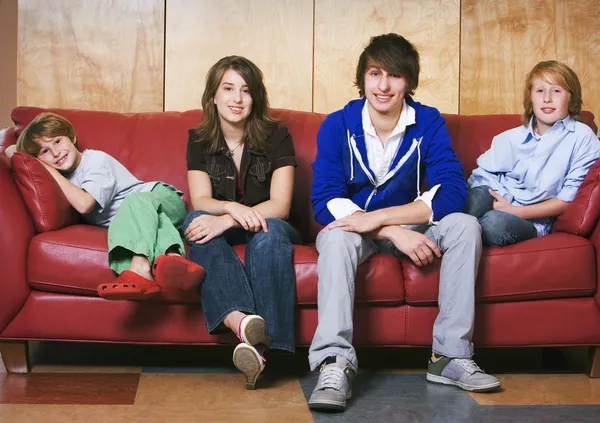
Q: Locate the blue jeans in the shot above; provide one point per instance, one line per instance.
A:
(498, 228)
(266, 286)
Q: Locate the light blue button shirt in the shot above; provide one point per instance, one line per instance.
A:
(526, 168)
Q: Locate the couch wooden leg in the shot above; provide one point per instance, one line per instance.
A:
(16, 356)
(594, 363)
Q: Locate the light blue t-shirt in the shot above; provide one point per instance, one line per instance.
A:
(109, 182)
(526, 168)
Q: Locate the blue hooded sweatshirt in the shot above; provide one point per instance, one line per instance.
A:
(341, 168)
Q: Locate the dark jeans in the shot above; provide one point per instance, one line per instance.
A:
(266, 286)
(498, 228)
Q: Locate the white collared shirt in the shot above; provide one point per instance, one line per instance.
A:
(381, 153)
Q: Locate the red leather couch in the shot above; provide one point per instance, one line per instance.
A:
(542, 292)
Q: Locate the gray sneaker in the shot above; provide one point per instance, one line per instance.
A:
(334, 387)
(461, 372)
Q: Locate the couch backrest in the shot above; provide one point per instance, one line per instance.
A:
(472, 135)
(152, 145)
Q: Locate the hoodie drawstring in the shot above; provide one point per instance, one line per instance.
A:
(351, 157)
(419, 169)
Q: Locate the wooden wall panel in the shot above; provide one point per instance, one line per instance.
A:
(501, 40)
(276, 36)
(8, 61)
(91, 54)
(343, 28)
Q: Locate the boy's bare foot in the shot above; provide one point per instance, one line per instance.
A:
(141, 266)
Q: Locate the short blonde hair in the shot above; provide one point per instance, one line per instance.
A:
(45, 125)
(556, 73)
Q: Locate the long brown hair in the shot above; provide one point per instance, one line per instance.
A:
(258, 125)
(555, 73)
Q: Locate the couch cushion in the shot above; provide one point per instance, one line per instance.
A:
(47, 205)
(378, 280)
(73, 260)
(303, 127)
(553, 266)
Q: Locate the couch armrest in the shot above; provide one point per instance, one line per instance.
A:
(7, 137)
(16, 231)
(583, 213)
(595, 238)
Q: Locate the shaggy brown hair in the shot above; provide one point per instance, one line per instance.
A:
(392, 53)
(45, 125)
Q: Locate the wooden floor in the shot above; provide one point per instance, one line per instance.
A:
(111, 383)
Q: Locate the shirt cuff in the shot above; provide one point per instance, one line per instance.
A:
(342, 207)
(427, 198)
(285, 161)
(98, 194)
(567, 194)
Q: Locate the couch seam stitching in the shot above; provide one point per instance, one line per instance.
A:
(37, 190)
(68, 245)
(521, 293)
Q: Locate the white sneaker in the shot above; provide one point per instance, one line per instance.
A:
(334, 387)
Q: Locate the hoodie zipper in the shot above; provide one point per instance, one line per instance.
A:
(414, 146)
(373, 193)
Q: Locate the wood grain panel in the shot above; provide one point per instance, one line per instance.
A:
(91, 54)
(343, 28)
(277, 37)
(64, 388)
(8, 62)
(502, 40)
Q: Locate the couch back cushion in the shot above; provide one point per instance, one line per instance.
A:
(472, 135)
(152, 146)
(47, 205)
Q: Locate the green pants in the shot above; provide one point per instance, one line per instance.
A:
(147, 223)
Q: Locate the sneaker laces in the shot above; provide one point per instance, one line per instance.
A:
(469, 365)
(332, 377)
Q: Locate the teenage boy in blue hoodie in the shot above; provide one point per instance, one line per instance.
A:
(372, 157)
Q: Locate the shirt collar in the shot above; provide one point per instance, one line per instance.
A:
(407, 117)
(567, 122)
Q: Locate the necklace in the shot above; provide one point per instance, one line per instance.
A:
(235, 148)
